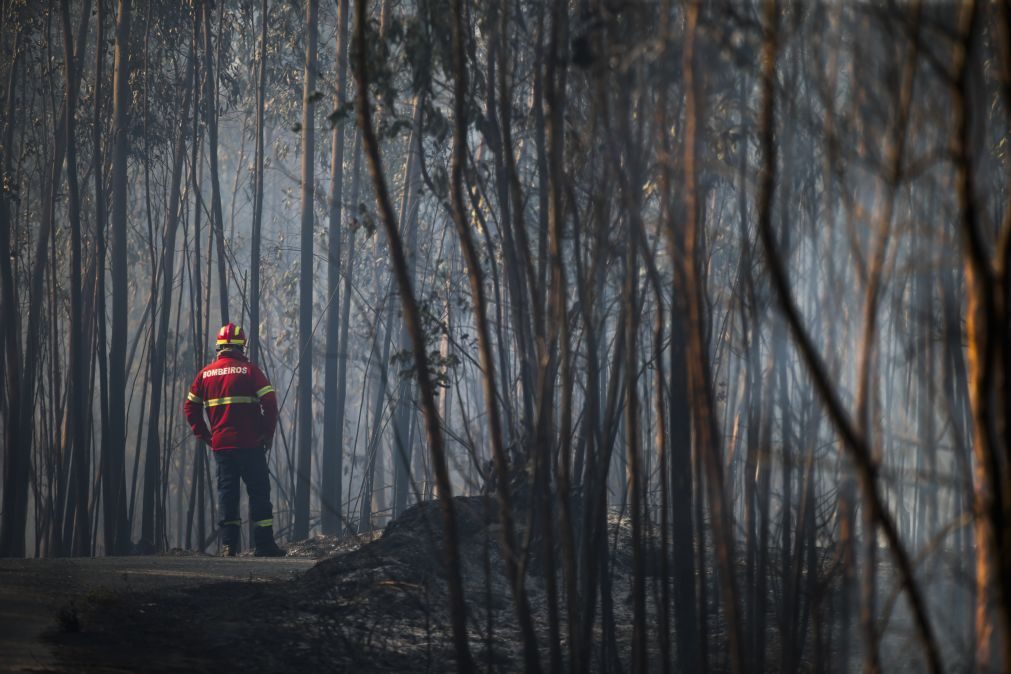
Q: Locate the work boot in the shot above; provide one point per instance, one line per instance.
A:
(264, 545)
(229, 538)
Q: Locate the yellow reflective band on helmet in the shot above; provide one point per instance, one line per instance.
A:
(264, 391)
(232, 400)
(193, 399)
(265, 523)
(237, 338)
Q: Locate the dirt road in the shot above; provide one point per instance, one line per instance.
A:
(34, 592)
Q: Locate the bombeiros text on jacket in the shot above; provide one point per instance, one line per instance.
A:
(217, 372)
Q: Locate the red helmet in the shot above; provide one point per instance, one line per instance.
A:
(231, 335)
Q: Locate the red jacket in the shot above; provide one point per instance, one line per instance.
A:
(239, 400)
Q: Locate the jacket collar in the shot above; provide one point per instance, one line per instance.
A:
(232, 354)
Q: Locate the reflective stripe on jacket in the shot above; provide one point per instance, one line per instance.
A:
(239, 401)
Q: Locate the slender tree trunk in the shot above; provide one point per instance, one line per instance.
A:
(114, 481)
(627, 168)
(12, 534)
(342, 355)
(101, 225)
(304, 461)
(333, 451)
(679, 435)
(373, 460)
(401, 447)
(197, 495)
(686, 602)
(211, 111)
(499, 114)
(257, 224)
(77, 502)
(986, 324)
(526, 326)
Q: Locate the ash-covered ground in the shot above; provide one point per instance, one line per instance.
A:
(369, 606)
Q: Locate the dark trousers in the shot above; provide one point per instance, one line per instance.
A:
(249, 465)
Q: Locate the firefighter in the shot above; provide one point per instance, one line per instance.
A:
(242, 407)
